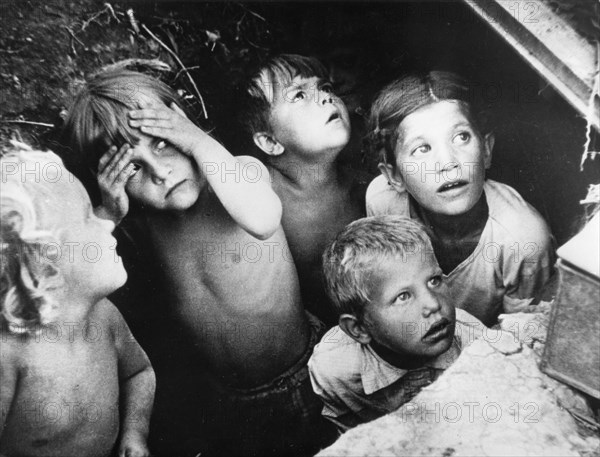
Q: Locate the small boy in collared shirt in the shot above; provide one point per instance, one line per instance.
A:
(399, 332)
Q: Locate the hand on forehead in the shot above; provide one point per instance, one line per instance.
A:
(148, 101)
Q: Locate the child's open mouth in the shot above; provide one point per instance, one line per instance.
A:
(452, 185)
(439, 330)
(335, 116)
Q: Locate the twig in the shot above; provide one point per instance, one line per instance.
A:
(187, 69)
(41, 124)
(254, 45)
(183, 67)
(112, 11)
(73, 37)
(153, 64)
(13, 51)
(133, 21)
(252, 12)
(590, 116)
(107, 9)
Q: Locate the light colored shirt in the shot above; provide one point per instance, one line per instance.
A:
(512, 261)
(357, 385)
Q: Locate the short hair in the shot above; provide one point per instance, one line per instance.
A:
(406, 95)
(27, 273)
(98, 117)
(277, 72)
(358, 250)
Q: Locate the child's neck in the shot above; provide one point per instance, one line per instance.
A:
(402, 361)
(74, 310)
(456, 226)
(307, 173)
(454, 238)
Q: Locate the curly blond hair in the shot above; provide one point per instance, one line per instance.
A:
(27, 272)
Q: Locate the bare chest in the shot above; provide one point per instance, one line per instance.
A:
(208, 259)
(310, 224)
(65, 387)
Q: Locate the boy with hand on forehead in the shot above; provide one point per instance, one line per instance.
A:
(398, 330)
(295, 119)
(495, 250)
(218, 237)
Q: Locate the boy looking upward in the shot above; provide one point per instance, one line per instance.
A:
(398, 330)
(214, 223)
(301, 126)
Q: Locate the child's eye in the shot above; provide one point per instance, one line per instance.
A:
(135, 167)
(462, 137)
(300, 95)
(160, 146)
(423, 149)
(403, 296)
(436, 281)
(327, 87)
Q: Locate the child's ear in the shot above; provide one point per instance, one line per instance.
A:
(488, 143)
(175, 107)
(389, 173)
(268, 144)
(354, 328)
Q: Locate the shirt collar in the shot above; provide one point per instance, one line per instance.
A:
(377, 374)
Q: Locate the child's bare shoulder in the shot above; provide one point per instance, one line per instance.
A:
(107, 316)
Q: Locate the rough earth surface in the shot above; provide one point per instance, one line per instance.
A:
(493, 401)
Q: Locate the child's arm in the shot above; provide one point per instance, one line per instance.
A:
(8, 379)
(114, 169)
(137, 384)
(241, 184)
(527, 267)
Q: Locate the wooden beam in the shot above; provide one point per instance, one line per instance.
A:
(551, 46)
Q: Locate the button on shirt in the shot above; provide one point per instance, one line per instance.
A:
(357, 385)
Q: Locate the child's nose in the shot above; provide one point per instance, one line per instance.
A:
(447, 157)
(431, 304)
(160, 173)
(326, 97)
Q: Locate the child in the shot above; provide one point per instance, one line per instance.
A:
(495, 250)
(214, 223)
(399, 329)
(294, 117)
(72, 378)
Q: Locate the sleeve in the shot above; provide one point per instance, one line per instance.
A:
(326, 387)
(528, 264)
